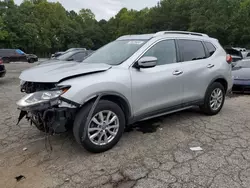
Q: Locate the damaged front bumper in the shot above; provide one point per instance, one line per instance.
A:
(48, 110)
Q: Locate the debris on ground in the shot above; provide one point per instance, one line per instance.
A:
(19, 178)
(24, 149)
(196, 148)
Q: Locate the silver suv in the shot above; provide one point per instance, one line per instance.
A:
(134, 78)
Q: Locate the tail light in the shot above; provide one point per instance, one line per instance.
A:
(229, 59)
(1, 61)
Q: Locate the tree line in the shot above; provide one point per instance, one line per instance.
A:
(42, 27)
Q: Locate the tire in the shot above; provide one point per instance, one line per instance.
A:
(81, 130)
(206, 107)
(31, 60)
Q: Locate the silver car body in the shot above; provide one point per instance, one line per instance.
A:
(147, 92)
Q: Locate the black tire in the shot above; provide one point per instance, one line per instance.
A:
(206, 108)
(80, 129)
(31, 60)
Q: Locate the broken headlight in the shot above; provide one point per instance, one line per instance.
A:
(40, 97)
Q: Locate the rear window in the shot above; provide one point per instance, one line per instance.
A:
(210, 47)
(191, 50)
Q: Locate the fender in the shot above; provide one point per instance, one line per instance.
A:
(213, 80)
(110, 93)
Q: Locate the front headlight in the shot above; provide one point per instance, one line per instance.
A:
(40, 97)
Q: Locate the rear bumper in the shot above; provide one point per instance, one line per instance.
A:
(241, 85)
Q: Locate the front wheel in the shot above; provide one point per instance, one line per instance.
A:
(31, 60)
(214, 99)
(104, 129)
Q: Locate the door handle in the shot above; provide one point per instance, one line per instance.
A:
(177, 72)
(210, 66)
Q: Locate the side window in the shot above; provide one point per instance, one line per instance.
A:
(164, 51)
(79, 56)
(191, 50)
(248, 55)
(210, 47)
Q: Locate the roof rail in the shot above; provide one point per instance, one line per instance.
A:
(180, 32)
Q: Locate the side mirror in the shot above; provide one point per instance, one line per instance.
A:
(147, 62)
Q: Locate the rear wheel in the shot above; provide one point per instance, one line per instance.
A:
(104, 129)
(214, 99)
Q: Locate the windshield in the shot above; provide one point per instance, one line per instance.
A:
(115, 52)
(243, 64)
(65, 56)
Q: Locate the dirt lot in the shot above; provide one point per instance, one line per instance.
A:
(158, 159)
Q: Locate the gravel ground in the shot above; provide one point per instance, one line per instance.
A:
(161, 158)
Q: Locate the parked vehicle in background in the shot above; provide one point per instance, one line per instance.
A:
(76, 55)
(2, 68)
(235, 54)
(248, 55)
(14, 55)
(31, 58)
(241, 76)
(240, 49)
(57, 54)
(134, 78)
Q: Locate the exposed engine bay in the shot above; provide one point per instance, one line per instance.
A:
(31, 87)
(47, 116)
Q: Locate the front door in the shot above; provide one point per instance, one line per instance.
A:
(158, 88)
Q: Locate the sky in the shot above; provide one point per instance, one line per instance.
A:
(103, 9)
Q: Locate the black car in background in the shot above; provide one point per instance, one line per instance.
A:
(14, 55)
(2, 68)
(76, 55)
(241, 76)
(57, 54)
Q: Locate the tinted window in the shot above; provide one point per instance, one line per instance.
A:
(191, 50)
(65, 56)
(164, 51)
(79, 56)
(210, 47)
(248, 55)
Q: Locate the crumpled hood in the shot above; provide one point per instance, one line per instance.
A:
(241, 74)
(55, 72)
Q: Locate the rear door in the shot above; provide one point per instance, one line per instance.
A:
(197, 69)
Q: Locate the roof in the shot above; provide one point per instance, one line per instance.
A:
(137, 37)
(164, 34)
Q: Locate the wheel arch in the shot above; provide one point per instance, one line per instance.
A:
(222, 81)
(117, 98)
